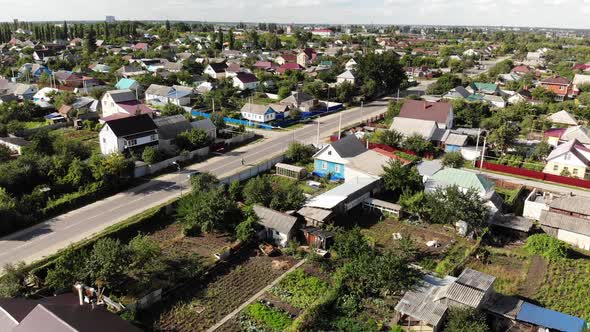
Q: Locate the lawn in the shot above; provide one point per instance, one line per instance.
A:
(566, 287)
(34, 124)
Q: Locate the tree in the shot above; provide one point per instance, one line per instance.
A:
(90, 41)
(345, 92)
(584, 98)
(150, 155)
(540, 93)
(383, 69)
(466, 320)
(444, 84)
(207, 211)
(204, 182)
(390, 137)
(245, 230)
(167, 26)
(418, 144)
(287, 199)
(218, 121)
(193, 139)
(503, 137)
(111, 169)
(69, 268)
(231, 39)
(77, 174)
(173, 109)
(40, 143)
(299, 153)
(541, 151)
(12, 282)
(453, 159)
(5, 153)
(108, 261)
(399, 178)
(456, 65)
(258, 191)
(145, 255)
(448, 205)
(351, 244)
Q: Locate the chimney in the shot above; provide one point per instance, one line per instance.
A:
(79, 287)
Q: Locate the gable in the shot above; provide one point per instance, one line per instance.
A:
(329, 154)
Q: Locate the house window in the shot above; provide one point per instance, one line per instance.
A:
(566, 169)
(132, 142)
(575, 171)
(337, 168)
(104, 140)
(568, 156)
(324, 165)
(329, 153)
(555, 168)
(153, 137)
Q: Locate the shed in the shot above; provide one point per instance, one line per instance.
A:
(291, 171)
(553, 320)
(318, 238)
(383, 206)
(278, 227)
(315, 216)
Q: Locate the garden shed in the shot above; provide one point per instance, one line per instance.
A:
(291, 171)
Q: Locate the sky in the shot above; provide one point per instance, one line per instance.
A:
(545, 13)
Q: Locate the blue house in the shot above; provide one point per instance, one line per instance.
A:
(35, 70)
(332, 159)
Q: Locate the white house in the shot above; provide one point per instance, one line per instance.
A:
(347, 76)
(277, 227)
(165, 94)
(122, 103)
(245, 81)
(258, 113)
(350, 65)
(130, 133)
(216, 70)
(323, 33)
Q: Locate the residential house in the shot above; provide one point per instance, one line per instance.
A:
(568, 219)
(131, 71)
(425, 308)
(522, 96)
(161, 94)
(579, 81)
(351, 64)
(484, 88)
(282, 111)
(45, 55)
(559, 85)
(495, 101)
(347, 76)
(289, 66)
(34, 70)
(245, 81)
(460, 92)
(64, 312)
(326, 33)
(216, 70)
(126, 134)
(348, 159)
(306, 57)
(410, 127)
(440, 112)
(128, 84)
(14, 144)
(557, 136)
(571, 158)
(207, 126)
(23, 91)
(562, 118)
(169, 127)
(141, 47)
(521, 70)
(277, 228)
(258, 113)
(265, 65)
(122, 103)
(286, 58)
(302, 101)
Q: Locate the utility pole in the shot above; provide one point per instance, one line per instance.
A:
(362, 106)
(340, 126)
(477, 145)
(318, 136)
(483, 152)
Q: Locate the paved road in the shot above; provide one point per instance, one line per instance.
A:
(50, 236)
(548, 186)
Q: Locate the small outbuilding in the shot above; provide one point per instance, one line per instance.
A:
(277, 227)
(291, 171)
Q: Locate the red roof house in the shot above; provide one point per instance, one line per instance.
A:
(439, 112)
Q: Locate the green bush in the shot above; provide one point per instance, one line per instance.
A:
(299, 289)
(407, 156)
(270, 318)
(546, 246)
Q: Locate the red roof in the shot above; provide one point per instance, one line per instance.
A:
(555, 132)
(132, 107)
(246, 77)
(289, 66)
(583, 66)
(521, 69)
(289, 57)
(425, 110)
(556, 80)
(140, 46)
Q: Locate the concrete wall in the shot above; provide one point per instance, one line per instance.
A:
(532, 210)
(578, 240)
(253, 171)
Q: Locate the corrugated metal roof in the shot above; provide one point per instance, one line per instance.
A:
(539, 316)
(565, 222)
(575, 204)
(276, 220)
(465, 295)
(332, 198)
(463, 179)
(314, 213)
(476, 279)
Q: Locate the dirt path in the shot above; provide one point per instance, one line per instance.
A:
(535, 277)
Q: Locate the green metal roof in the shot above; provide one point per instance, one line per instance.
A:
(463, 179)
(485, 86)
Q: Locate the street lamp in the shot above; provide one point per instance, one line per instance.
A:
(175, 163)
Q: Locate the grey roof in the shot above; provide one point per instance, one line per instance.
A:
(565, 222)
(290, 167)
(475, 279)
(462, 91)
(169, 127)
(456, 139)
(158, 90)
(120, 96)
(15, 141)
(465, 295)
(283, 223)
(336, 196)
(409, 127)
(429, 167)
(369, 162)
(576, 204)
(349, 146)
(422, 303)
(315, 213)
(254, 109)
(517, 223)
(205, 124)
(297, 99)
(503, 305)
(439, 134)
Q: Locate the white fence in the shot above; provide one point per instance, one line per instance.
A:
(143, 169)
(239, 139)
(253, 171)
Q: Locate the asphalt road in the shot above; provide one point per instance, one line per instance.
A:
(50, 236)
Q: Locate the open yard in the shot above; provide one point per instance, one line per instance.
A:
(197, 306)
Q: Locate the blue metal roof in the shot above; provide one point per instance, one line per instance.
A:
(539, 316)
(125, 83)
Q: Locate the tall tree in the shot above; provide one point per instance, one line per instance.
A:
(90, 41)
